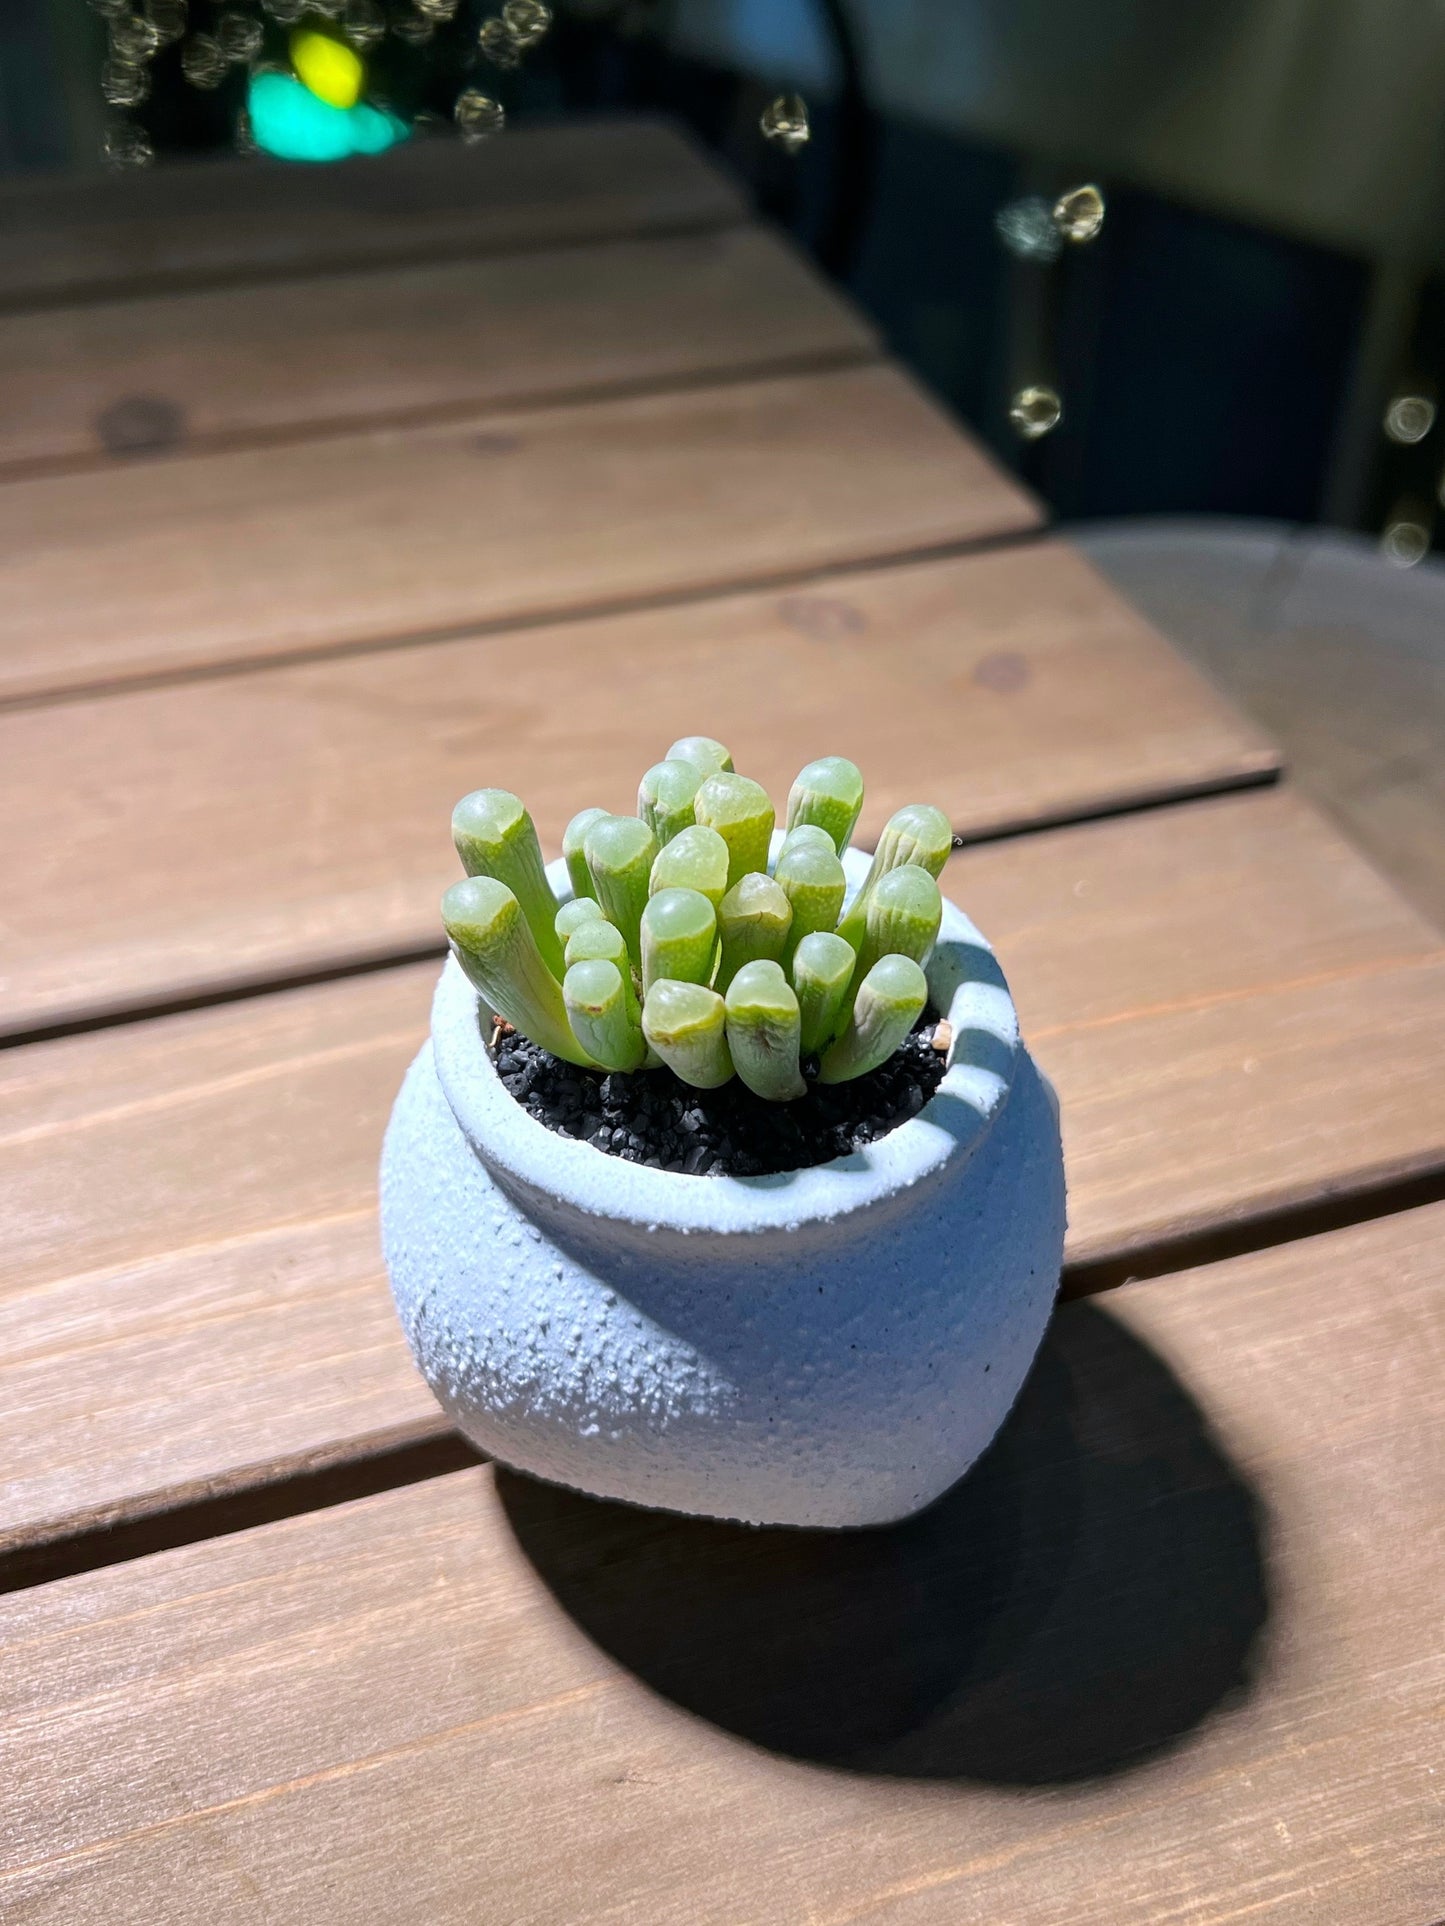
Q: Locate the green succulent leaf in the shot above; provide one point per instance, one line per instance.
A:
(901, 917)
(603, 1014)
(917, 834)
(494, 837)
(822, 970)
(742, 814)
(620, 852)
(683, 946)
(763, 1032)
(686, 1024)
(493, 942)
(889, 1002)
(705, 754)
(573, 915)
(574, 837)
(597, 938)
(806, 836)
(696, 858)
(753, 923)
(679, 937)
(602, 942)
(828, 793)
(665, 798)
(812, 879)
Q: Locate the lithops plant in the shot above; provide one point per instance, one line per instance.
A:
(695, 942)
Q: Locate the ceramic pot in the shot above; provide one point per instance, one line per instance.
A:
(832, 1347)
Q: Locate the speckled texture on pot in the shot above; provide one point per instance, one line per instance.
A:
(832, 1348)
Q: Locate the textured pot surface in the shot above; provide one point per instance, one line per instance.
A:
(832, 1347)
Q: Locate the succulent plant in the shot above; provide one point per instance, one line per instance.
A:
(683, 947)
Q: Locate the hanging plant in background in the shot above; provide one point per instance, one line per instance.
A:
(321, 80)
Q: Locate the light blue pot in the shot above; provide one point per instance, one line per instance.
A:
(834, 1347)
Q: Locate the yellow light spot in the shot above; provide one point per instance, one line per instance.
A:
(330, 70)
(785, 121)
(1035, 412)
(1079, 214)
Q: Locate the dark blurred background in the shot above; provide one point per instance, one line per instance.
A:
(1264, 283)
(1263, 299)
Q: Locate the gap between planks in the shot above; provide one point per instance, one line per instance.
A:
(1276, 1217)
(477, 335)
(1176, 1643)
(215, 223)
(270, 983)
(628, 604)
(221, 1512)
(427, 254)
(438, 414)
(438, 1449)
(364, 539)
(1074, 708)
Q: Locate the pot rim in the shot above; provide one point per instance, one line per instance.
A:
(964, 982)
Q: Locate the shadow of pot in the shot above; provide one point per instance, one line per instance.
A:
(1083, 1599)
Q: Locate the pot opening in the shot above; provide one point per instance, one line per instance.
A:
(648, 1117)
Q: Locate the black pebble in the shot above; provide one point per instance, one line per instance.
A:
(649, 1118)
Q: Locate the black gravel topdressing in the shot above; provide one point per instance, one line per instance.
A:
(651, 1118)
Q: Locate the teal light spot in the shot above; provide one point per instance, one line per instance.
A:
(374, 129)
(288, 121)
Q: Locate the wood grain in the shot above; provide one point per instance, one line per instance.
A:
(178, 370)
(1173, 911)
(68, 237)
(1313, 632)
(267, 552)
(1142, 1664)
(1011, 689)
(1195, 1005)
(192, 1298)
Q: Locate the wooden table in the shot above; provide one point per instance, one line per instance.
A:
(324, 497)
(1335, 650)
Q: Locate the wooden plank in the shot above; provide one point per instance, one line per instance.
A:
(1169, 912)
(1010, 689)
(268, 552)
(193, 1301)
(1314, 632)
(68, 237)
(115, 378)
(1192, 1002)
(243, 1265)
(1140, 1665)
